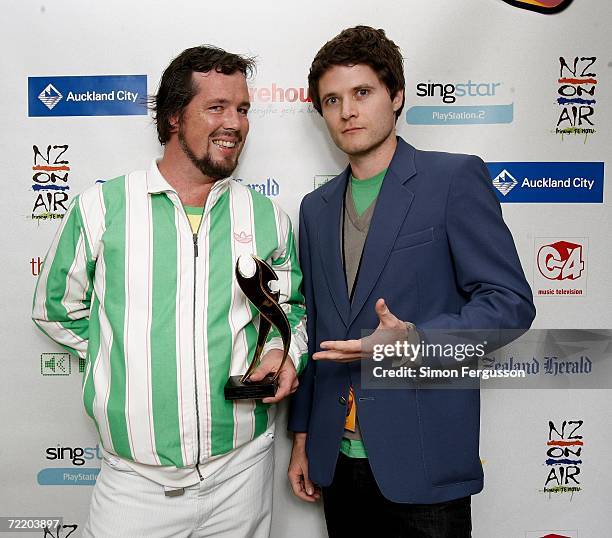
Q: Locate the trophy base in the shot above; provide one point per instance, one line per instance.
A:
(237, 390)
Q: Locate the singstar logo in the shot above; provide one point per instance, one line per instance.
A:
(78, 455)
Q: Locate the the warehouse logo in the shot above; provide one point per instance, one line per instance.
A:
(564, 457)
(547, 7)
(504, 182)
(275, 100)
(277, 94)
(576, 95)
(50, 175)
(50, 96)
(36, 265)
(465, 102)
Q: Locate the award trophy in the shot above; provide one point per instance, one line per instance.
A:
(258, 292)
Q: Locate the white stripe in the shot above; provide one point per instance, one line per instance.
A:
(201, 336)
(241, 215)
(91, 203)
(77, 283)
(101, 372)
(184, 343)
(137, 323)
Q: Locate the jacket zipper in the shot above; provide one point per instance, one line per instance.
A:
(195, 370)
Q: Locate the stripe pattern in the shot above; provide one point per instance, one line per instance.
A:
(159, 327)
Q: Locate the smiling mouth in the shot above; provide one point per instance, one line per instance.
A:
(225, 143)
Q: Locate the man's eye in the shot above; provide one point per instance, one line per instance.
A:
(363, 92)
(215, 108)
(331, 101)
(243, 111)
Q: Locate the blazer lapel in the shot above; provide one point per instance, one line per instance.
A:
(392, 206)
(329, 219)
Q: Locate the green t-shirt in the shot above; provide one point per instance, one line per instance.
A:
(365, 191)
(194, 215)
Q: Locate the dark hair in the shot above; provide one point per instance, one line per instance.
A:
(359, 45)
(177, 87)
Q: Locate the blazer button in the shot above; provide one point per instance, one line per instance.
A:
(342, 400)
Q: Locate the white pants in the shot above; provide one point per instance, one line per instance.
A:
(234, 502)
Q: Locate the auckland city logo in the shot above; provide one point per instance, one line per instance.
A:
(50, 96)
(548, 182)
(504, 182)
(97, 95)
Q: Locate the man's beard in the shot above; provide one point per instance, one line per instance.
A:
(214, 169)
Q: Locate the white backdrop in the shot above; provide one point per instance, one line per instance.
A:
(446, 41)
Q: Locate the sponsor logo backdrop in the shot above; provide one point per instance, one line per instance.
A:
(528, 91)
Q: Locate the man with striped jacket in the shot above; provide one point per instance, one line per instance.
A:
(139, 282)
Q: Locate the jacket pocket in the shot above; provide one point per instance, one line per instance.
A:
(449, 421)
(414, 239)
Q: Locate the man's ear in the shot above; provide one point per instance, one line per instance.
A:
(397, 100)
(174, 122)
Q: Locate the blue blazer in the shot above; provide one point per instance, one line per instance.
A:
(440, 254)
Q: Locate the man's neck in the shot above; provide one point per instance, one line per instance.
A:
(367, 165)
(190, 184)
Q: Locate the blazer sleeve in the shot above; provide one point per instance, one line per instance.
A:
(301, 401)
(487, 267)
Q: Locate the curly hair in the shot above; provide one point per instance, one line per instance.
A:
(359, 45)
(177, 87)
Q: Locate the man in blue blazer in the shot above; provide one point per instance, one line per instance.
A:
(406, 242)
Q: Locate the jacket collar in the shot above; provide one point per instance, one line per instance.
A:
(157, 183)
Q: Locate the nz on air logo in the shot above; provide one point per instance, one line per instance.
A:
(50, 175)
(576, 88)
(564, 457)
(50, 96)
(464, 102)
(561, 267)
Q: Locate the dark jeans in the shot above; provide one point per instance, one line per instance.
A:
(354, 506)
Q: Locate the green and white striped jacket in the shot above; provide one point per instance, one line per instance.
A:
(156, 312)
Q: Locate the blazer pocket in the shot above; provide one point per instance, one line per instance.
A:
(414, 239)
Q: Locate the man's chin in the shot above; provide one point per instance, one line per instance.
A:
(220, 170)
